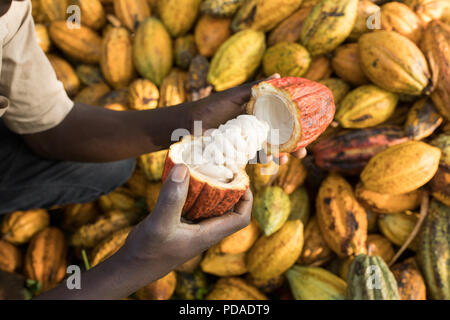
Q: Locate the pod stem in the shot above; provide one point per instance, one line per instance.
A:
(415, 231)
(85, 260)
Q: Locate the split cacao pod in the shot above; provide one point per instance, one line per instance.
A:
(315, 249)
(341, 219)
(210, 33)
(401, 168)
(131, 12)
(143, 95)
(369, 278)
(422, 120)
(286, 59)
(328, 25)
(366, 106)
(433, 251)
(263, 15)
(313, 283)
(161, 289)
(65, 73)
(346, 63)
(411, 285)
(82, 44)
(223, 264)
(398, 17)
(153, 62)
(20, 226)
(234, 289)
(10, 257)
(236, 59)
(45, 260)
(395, 63)
(271, 256)
(178, 15)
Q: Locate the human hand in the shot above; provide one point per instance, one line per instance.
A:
(163, 241)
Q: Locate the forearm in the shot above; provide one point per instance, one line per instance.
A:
(92, 134)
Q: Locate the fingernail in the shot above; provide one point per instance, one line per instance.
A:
(179, 174)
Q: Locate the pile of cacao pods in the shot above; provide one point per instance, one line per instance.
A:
(375, 185)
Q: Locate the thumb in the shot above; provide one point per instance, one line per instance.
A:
(172, 196)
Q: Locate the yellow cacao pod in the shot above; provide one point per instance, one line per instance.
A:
(241, 241)
(172, 91)
(89, 74)
(92, 94)
(43, 38)
(341, 219)
(151, 61)
(65, 73)
(77, 215)
(92, 13)
(10, 257)
(178, 15)
(131, 12)
(428, 10)
(223, 264)
(397, 227)
(262, 174)
(393, 62)
(153, 164)
(319, 69)
(398, 17)
(263, 15)
(365, 10)
(184, 51)
(286, 59)
(338, 86)
(220, 8)
(234, 289)
(401, 168)
(291, 175)
(81, 44)
(161, 289)
(143, 95)
(110, 245)
(411, 285)
(137, 183)
(366, 106)
(54, 9)
(315, 249)
(290, 29)
(45, 260)
(323, 32)
(152, 194)
(346, 63)
(266, 286)
(378, 245)
(20, 226)
(271, 256)
(117, 58)
(237, 59)
(422, 120)
(210, 33)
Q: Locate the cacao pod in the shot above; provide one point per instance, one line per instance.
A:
(89, 74)
(172, 90)
(398, 17)
(10, 257)
(152, 194)
(191, 286)
(378, 245)
(315, 249)
(161, 289)
(77, 215)
(54, 9)
(234, 289)
(440, 183)
(397, 227)
(220, 8)
(290, 29)
(365, 10)
(286, 59)
(191, 265)
(65, 73)
(132, 12)
(319, 69)
(299, 205)
(143, 95)
(178, 15)
(119, 199)
(339, 88)
(210, 33)
(42, 37)
(411, 285)
(442, 141)
(153, 164)
(428, 10)
(291, 175)
(223, 264)
(266, 286)
(92, 94)
(262, 174)
(109, 245)
(241, 241)
(184, 51)
(92, 13)
(346, 64)
(422, 120)
(20, 226)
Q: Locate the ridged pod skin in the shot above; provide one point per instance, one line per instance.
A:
(387, 203)
(37, 12)
(241, 241)
(393, 62)
(341, 219)
(54, 9)
(161, 289)
(92, 94)
(89, 235)
(328, 25)
(223, 264)
(349, 151)
(263, 15)
(45, 260)
(108, 246)
(137, 183)
(234, 289)
(271, 209)
(178, 15)
(291, 175)
(172, 91)
(81, 44)
(290, 29)
(365, 10)
(152, 194)
(346, 64)
(20, 226)
(433, 252)
(423, 119)
(65, 73)
(401, 168)
(286, 59)
(184, 51)
(220, 8)
(237, 59)
(143, 95)
(10, 257)
(77, 215)
(428, 10)
(319, 69)
(89, 74)
(369, 278)
(131, 12)
(378, 245)
(266, 286)
(366, 106)
(436, 46)
(411, 285)
(153, 62)
(271, 256)
(210, 32)
(440, 182)
(153, 164)
(315, 249)
(119, 199)
(338, 86)
(262, 174)
(313, 106)
(93, 15)
(42, 37)
(299, 205)
(397, 227)
(398, 17)
(117, 58)
(313, 283)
